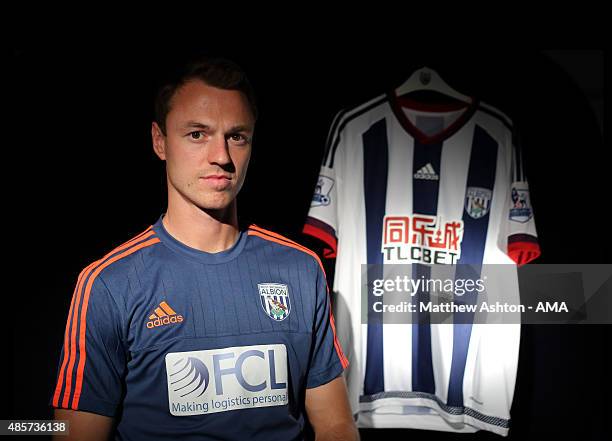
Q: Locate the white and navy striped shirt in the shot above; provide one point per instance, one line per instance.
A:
(402, 182)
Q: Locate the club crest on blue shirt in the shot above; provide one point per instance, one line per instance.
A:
(322, 191)
(520, 211)
(275, 300)
(477, 202)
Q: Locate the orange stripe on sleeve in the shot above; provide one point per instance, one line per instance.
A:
(70, 338)
(60, 379)
(274, 237)
(146, 233)
(73, 338)
(273, 234)
(83, 317)
(339, 350)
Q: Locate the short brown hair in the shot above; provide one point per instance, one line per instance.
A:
(216, 72)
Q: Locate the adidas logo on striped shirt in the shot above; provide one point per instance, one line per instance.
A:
(427, 172)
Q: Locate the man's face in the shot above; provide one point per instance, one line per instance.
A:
(207, 144)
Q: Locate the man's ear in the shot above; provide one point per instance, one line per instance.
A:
(159, 141)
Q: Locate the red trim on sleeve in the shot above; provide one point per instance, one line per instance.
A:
(324, 236)
(523, 252)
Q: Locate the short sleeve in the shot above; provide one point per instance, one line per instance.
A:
(522, 239)
(322, 220)
(327, 358)
(93, 359)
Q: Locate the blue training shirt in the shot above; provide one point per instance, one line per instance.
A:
(174, 342)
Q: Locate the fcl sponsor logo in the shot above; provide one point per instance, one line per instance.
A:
(275, 300)
(421, 239)
(219, 380)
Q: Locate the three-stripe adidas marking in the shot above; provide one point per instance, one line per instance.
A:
(163, 315)
(427, 172)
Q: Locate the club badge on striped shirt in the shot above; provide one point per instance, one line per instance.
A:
(477, 201)
(275, 300)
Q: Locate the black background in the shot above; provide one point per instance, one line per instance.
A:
(80, 178)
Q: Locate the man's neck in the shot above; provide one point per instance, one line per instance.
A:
(199, 229)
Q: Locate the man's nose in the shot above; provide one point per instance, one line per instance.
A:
(218, 152)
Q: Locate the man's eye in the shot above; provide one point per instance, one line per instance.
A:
(238, 139)
(196, 135)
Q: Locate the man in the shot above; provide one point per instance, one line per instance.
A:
(195, 329)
